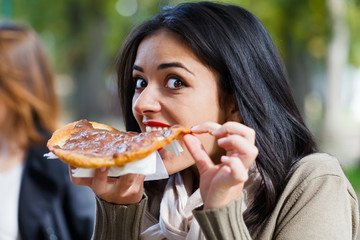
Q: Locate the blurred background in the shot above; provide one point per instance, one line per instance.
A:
(319, 41)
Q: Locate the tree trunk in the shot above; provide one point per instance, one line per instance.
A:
(89, 76)
(337, 59)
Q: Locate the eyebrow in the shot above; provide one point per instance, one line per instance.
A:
(164, 66)
(138, 68)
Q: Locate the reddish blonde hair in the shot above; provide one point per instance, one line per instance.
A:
(26, 86)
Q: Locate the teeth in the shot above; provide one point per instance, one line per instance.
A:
(150, 129)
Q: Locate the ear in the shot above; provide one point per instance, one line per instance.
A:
(232, 110)
(234, 115)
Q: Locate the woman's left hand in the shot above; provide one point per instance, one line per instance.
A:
(222, 183)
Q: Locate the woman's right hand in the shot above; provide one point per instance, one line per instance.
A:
(223, 182)
(126, 189)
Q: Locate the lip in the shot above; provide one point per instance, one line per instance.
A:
(155, 124)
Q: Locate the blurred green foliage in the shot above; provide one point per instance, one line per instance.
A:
(296, 24)
(353, 175)
(293, 24)
(83, 38)
(354, 24)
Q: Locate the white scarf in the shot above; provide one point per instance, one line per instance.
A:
(176, 220)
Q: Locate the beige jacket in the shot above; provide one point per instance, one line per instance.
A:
(317, 203)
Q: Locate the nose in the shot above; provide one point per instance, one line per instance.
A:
(148, 101)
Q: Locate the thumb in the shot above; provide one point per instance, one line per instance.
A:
(196, 149)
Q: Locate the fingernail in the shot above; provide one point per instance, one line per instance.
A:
(194, 128)
(216, 131)
(103, 169)
(224, 159)
(221, 140)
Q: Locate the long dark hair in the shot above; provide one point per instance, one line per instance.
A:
(235, 44)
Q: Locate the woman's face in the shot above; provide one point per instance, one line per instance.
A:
(174, 87)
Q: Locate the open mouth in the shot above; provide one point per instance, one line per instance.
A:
(156, 128)
(150, 129)
(173, 147)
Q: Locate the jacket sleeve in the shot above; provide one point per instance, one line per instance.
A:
(223, 223)
(317, 203)
(115, 221)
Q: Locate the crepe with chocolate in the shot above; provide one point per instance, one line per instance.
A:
(87, 144)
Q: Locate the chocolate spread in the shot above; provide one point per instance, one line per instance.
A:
(93, 141)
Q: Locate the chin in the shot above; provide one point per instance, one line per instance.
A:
(169, 161)
(173, 163)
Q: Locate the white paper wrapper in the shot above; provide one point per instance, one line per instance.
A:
(151, 166)
(174, 147)
(50, 155)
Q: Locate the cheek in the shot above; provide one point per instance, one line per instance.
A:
(135, 114)
(209, 111)
(133, 101)
(210, 144)
(174, 164)
(206, 105)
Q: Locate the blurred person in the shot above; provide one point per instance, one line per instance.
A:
(37, 199)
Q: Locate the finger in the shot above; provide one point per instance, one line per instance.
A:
(77, 180)
(196, 149)
(126, 182)
(206, 127)
(235, 128)
(239, 144)
(100, 180)
(238, 170)
(130, 184)
(236, 145)
(128, 189)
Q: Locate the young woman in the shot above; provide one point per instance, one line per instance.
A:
(251, 169)
(37, 201)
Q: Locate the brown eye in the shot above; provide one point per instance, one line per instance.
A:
(140, 83)
(174, 83)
